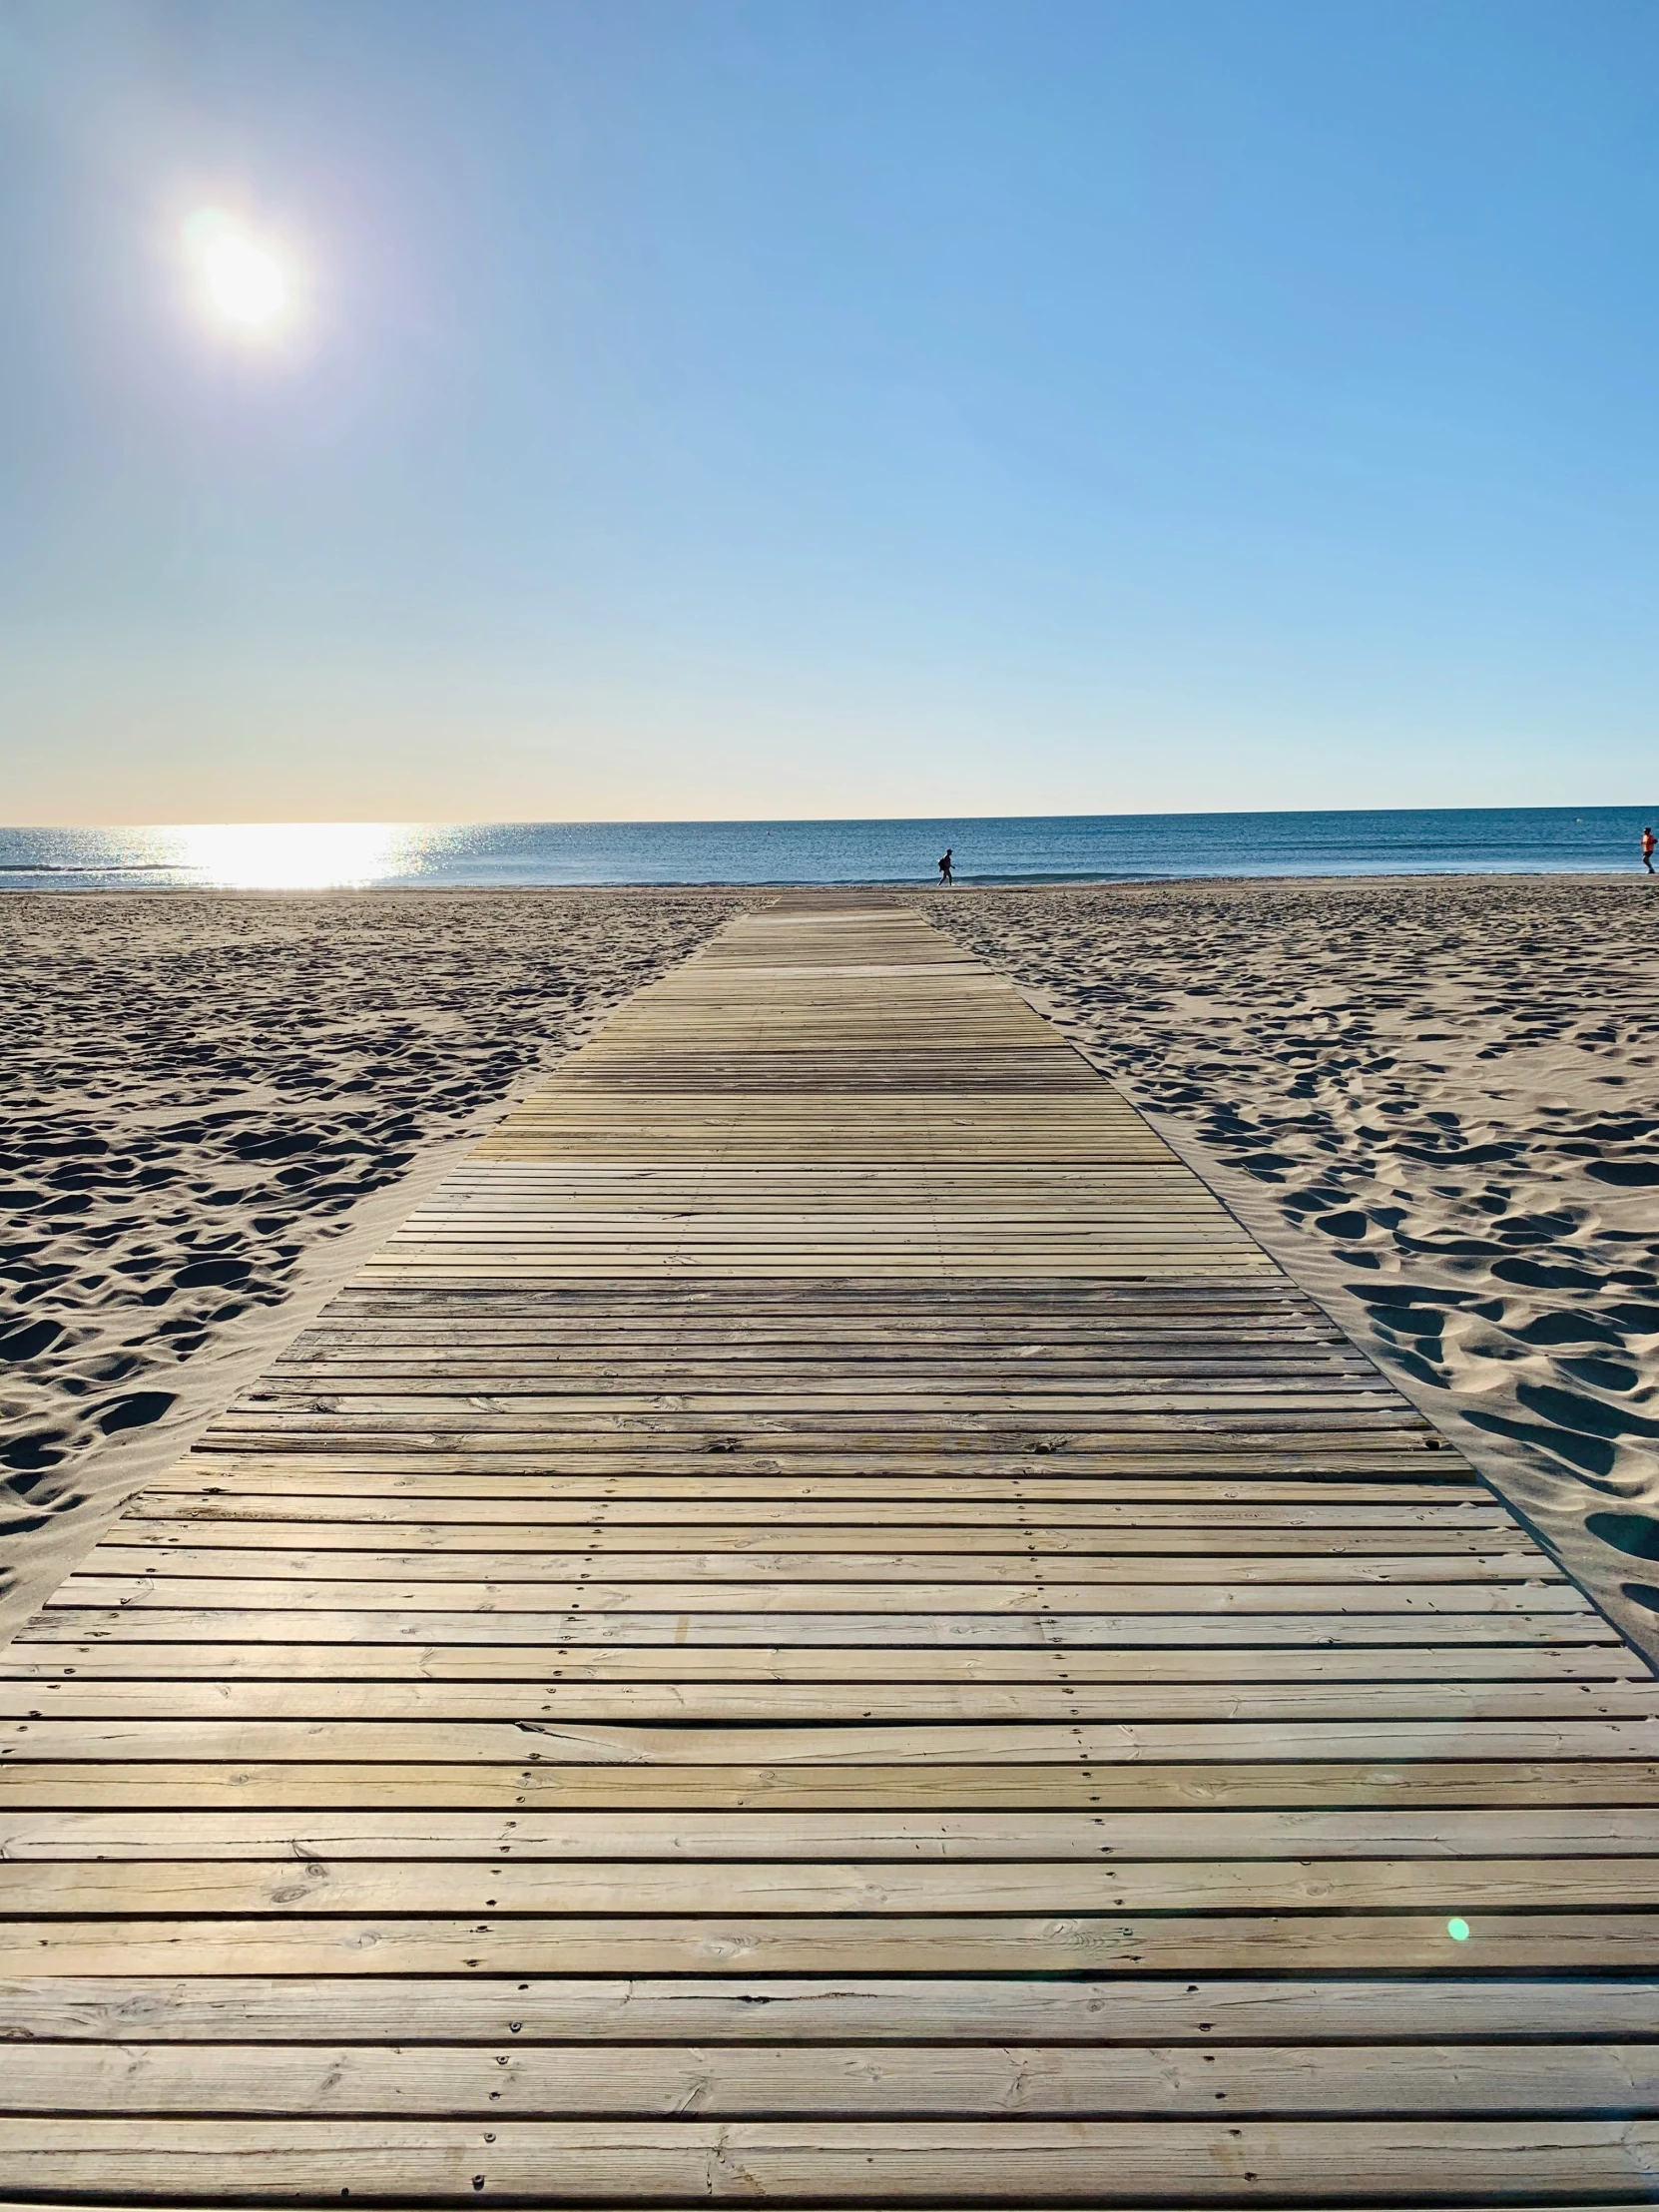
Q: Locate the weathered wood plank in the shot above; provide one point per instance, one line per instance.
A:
(33, 1704)
(138, 1552)
(305, 1588)
(516, 2012)
(349, 1614)
(1475, 1550)
(861, 2162)
(1412, 1667)
(1188, 1943)
(1367, 1834)
(929, 2081)
(308, 1786)
(966, 1743)
(295, 1890)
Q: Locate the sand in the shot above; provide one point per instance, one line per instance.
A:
(215, 1108)
(1436, 1102)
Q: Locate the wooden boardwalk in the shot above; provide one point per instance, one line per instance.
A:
(824, 1625)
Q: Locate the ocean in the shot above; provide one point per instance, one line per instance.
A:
(1012, 849)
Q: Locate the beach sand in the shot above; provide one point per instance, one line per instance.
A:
(1436, 1101)
(216, 1106)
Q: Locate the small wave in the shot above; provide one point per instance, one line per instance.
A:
(95, 867)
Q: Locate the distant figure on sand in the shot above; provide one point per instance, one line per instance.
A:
(1648, 850)
(945, 875)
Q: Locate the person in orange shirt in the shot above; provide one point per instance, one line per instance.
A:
(1648, 850)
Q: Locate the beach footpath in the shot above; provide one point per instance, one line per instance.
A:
(823, 1622)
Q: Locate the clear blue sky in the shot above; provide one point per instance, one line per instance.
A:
(816, 408)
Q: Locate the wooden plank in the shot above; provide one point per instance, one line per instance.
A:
(1240, 1466)
(965, 1742)
(1477, 1888)
(139, 1614)
(1530, 1831)
(211, 1487)
(1414, 1666)
(1190, 1943)
(304, 1587)
(1472, 1550)
(512, 2011)
(928, 2081)
(856, 2162)
(34, 1704)
(306, 1787)
(136, 1553)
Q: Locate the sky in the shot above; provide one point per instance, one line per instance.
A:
(770, 408)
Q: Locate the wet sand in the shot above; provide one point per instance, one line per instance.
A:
(1436, 1102)
(215, 1107)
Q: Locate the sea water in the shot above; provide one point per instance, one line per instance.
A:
(1012, 849)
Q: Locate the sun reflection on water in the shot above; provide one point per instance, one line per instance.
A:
(290, 855)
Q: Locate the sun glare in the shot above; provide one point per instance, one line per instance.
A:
(288, 856)
(245, 286)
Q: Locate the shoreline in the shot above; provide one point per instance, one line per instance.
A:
(902, 887)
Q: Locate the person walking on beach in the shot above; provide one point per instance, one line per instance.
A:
(1648, 850)
(945, 875)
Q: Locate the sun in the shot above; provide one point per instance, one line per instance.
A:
(244, 283)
